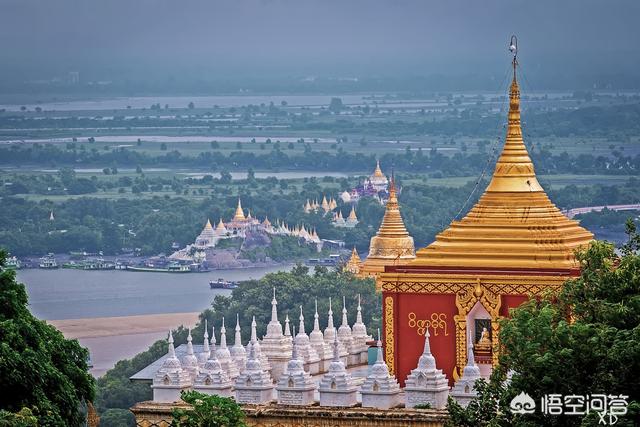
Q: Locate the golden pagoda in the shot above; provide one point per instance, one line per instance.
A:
(392, 245)
(239, 215)
(512, 245)
(514, 223)
(378, 171)
(353, 264)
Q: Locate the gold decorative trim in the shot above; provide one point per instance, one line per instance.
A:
(389, 331)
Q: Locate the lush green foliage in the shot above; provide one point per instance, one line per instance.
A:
(208, 411)
(584, 340)
(39, 368)
(22, 418)
(117, 418)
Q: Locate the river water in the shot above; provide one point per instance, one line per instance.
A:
(73, 294)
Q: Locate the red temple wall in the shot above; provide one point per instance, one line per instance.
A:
(510, 301)
(415, 312)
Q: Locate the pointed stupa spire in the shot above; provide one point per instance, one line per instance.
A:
(208, 225)
(330, 316)
(316, 339)
(513, 224)
(206, 351)
(172, 349)
(359, 334)
(380, 389)
(346, 338)
(316, 322)
(464, 389)
(378, 171)
(239, 215)
(392, 244)
(301, 326)
(213, 340)
(514, 170)
(256, 344)
(223, 335)
(345, 321)
(274, 307)
(238, 353)
(189, 360)
(287, 327)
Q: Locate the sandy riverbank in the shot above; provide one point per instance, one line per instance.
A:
(110, 339)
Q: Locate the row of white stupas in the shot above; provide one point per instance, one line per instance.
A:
(326, 205)
(280, 367)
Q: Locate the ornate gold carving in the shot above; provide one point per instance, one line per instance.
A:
(437, 321)
(389, 334)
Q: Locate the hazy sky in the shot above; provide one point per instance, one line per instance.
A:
(333, 37)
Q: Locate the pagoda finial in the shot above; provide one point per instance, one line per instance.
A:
(359, 315)
(172, 350)
(223, 335)
(239, 215)
(189, 343)
(514, 170)
(336, 352)
(205, 342)
(471, 361)
(213, 338)
(238, 337)
(254, 334)
(316, 322)
(301, 327)
(287, 328)
(344, 311)
(274, 307)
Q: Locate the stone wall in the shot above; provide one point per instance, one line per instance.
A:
(152, 414)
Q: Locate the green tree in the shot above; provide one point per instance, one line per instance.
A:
(208, 411)
(584, 340)
(39, 368)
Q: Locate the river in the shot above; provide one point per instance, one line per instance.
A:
(73, 294)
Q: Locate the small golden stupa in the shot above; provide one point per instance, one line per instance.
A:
(392, 245)
(353, 264)
(239, 215)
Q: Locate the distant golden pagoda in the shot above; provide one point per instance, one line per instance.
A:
(239, 216)
(392, 245)
(353, 264)
(378, 172)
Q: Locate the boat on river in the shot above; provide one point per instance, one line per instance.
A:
(222, 284)
(48, 261)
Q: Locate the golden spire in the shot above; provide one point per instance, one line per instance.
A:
(514, 224)
(392, 245)
(514, 169)
(208, 225)
(352, 214)
(220, 225)
(378, 172)
(353, 264)
(239, 216)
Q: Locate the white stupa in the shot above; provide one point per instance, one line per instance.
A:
(254, 385)
(204, 355)
(344, 335)
(330, 333)
(360, 337)
(287, 329)
(275, 345)
(305, 350)
(380, 389)
(322, 348)
(190, 361)
(463, 390)
(337, 387)
(258, 349)
(238, 353)
(170, 379)
(224, 355)
(212, 379)
(296, 387)
(426, 384)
